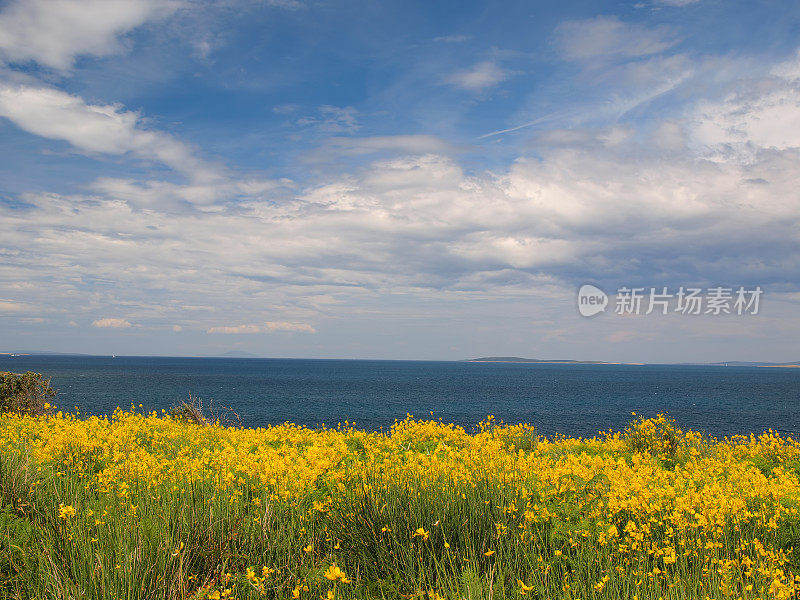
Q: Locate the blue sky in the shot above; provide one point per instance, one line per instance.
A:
(396, 180)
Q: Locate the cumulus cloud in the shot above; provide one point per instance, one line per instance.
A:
(479, 77)
(760, 120)
(54, 33)
(608, 37)
(96, 128)
(616, 204)
(267, 327)
(589, 209)
(111, 323)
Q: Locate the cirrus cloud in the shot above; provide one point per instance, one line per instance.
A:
(479, 77)
(607, 37)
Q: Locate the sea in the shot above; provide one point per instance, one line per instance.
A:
(569, 399)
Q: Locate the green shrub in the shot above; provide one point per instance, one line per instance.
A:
(659, 436)
(27, 393)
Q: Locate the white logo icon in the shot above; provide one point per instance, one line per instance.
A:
(591, 300)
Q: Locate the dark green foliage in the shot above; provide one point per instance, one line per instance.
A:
(20, 552)
(27, 393)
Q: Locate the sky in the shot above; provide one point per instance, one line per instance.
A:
(399, 180)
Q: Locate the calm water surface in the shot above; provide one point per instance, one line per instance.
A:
(568, 399)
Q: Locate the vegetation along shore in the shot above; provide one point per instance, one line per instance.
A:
(170, 506)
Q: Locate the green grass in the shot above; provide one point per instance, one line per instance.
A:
(166, 541)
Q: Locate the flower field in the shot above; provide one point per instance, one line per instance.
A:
(142, 506)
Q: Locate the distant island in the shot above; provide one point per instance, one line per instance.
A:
(737, 363)
(517, 359)
(483, 359)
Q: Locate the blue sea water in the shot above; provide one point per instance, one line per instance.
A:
(576, 400)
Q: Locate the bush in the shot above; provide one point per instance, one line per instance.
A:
(193, 411)
(659, 436)
(27, 393)
(519, 437)
(189, 411)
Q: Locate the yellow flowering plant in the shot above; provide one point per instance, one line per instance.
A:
(145, 505)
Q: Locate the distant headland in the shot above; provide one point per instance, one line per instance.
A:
(549, 361)
(517, 359)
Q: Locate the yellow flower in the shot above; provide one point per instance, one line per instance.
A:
(422, 533)
(65, 511)
(488, 553)
(523, 589)
(308, 548)
(334, 573)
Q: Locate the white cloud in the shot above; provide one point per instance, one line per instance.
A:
(413, 223)
(112, 323)
(479, 77)
(411, 227)
(96, 128)
(605, 37)
(172, 196)
(54, 32)
(267, 327)
(332, 119)
(670, 135)
(605, 204)
(768, 119)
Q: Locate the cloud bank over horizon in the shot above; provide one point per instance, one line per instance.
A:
(158, 195)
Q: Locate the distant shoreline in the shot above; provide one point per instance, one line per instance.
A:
(536, 361)
(483, 359)
(550, 362)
